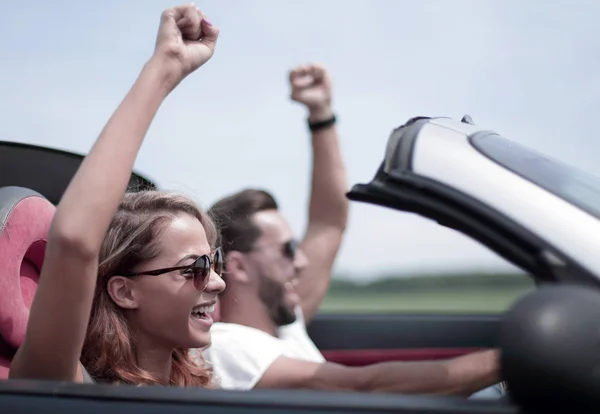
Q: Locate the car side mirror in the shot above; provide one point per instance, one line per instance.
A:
(550, 344)
(467, 120)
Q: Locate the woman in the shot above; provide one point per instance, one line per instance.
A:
(128, 282)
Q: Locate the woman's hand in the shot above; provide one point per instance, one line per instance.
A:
(186, 40)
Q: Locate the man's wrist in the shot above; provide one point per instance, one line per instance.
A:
(320, 114)
(473, 372)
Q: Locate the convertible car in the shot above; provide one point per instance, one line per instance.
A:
(537, 213)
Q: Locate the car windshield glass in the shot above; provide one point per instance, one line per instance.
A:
(571, 184)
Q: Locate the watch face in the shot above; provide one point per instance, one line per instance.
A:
(45, 170)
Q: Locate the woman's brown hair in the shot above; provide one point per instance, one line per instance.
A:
(109, 352)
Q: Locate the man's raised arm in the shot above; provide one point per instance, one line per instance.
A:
(328, 209)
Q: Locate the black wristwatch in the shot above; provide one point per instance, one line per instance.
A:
(316, 126)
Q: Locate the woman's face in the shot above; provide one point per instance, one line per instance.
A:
(170, 312)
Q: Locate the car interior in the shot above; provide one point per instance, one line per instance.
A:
(549, 339)
(25, 220)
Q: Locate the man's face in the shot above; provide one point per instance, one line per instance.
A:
(276, 263)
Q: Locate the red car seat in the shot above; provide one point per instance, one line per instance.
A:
(25, 218)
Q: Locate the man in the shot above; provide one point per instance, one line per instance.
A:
(275, 286)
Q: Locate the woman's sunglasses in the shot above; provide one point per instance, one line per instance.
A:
(200, 269)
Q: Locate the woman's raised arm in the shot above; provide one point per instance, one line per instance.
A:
(61, 308)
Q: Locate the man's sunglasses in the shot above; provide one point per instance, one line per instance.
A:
(200, 269)
(289, 249)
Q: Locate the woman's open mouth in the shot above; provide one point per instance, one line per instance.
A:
(203, 311)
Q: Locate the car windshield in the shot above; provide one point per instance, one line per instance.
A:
(571, 184)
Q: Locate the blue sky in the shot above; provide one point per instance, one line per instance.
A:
(529, 70)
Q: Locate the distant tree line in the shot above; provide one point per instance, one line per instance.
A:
(393, 283)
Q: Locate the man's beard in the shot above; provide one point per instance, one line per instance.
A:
(272, 295)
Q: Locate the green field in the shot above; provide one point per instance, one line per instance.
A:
(465, 300)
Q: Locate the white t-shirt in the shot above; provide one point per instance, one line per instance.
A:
(240, 355)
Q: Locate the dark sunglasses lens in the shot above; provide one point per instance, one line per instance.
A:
(201, 272)
(218, 266)
(290, 249)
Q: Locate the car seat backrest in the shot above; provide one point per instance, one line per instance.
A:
(25, 218)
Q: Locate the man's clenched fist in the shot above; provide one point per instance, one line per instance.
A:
(311, 86)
